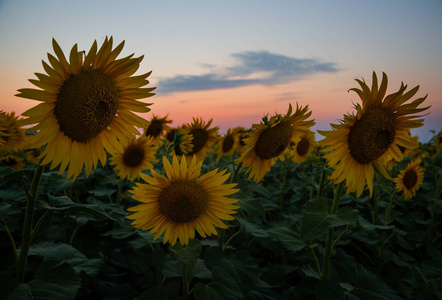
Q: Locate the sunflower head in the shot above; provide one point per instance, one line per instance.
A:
(12, 136)
(157, 126)
(228, 143)
(301, 146)
(371, 137)
(137, 156)
(87, 106)
(203, 137)
(270, 140)
(12, 161)
(183, 201)
(181, 143)
(409, 180)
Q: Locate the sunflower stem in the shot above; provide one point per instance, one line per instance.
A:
(185, 282)
(120, 188)
(321, 184)
(27, 226)
(328, 243)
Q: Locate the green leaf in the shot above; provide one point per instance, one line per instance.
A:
(205, 292)
(369, 286)
(316, 220)
(369, 226)
(120, 233)
(172, 269)
(201, 271)
(329, 289)
(253, 206)
(154, 293)
(225, 285)
(287, 238)
(53, 280)
(247, 269)
(67, 253)
(65, 203)
(187, 255)
(252, 228)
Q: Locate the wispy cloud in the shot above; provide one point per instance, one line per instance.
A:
(252, 67)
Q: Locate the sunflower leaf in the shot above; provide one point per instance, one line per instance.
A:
(187, 255)
(65, 203)
(53, 280)
(287, 237)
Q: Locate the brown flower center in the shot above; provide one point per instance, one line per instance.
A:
(302, 146)
(86, 104)
(200, 137)
(228, 143)
(371, 136)
(133, 155)
(155, 128)
(410, 179)
(183, 201)
(170, 136)
(274, 140)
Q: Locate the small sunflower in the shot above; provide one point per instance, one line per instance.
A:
(270, 139)
(156, 127)
(203, 138)
(12, 161)
(137, 156)
(410, 179)
(12, 136)
(302, 146)
(86, 107)
(368, 139)
(228, 143)
(182, 201)
(182, 144)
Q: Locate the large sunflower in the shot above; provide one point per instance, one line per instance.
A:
(270, 139)
(183, 202)
(370, 138)
(137, 156)
(302, 146)
(410, 179)
(87, 106)
(12, 136)
(203, 137)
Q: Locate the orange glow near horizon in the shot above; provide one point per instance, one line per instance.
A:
(327, 98)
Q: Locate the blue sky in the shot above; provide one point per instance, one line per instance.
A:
(239, 54)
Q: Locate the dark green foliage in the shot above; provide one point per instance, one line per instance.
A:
(85, 248)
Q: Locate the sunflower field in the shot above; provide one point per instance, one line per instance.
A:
(97, 202)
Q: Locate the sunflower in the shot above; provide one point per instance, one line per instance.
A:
(156, 127)
(203, 138)
(12, 136)
(137, 156)
(86, 107)
(270, 139)
(242, 134)
(183, 202)
(228, 143)
(181, 144)
(410, 179)
(302, 146)
(12, 161)
(368, 139)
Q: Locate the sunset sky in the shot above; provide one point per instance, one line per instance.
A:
(236, 61)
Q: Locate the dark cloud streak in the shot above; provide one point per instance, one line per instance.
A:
(270, 68)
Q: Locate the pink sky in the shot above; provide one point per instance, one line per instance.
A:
(325, 94)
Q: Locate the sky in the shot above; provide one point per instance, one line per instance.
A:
(237, 61)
